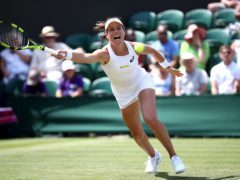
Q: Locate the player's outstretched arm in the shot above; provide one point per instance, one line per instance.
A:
(78, 57)
(146, 49)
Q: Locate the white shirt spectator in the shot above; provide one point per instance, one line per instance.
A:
(225, 76)
(190, 83)
(45, 62)
(14, 65)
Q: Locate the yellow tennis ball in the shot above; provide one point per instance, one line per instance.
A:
(139, 47)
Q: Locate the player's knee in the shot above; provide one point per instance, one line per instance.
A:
(151, 121)
(137, 133)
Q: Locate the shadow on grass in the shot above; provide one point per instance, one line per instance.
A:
(176, 177)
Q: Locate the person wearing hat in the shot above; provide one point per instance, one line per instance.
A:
(71, 84)
(194, 80)
(45, 63)
(194, 43)
(34, 85)
(132, 87)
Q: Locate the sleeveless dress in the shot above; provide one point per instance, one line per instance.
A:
(127, 78)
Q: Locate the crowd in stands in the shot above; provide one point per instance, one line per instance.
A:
(210, 63)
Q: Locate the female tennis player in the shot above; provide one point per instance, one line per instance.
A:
(132, 87)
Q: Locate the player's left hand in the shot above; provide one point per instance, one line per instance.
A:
(174, 71)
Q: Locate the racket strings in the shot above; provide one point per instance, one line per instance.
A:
(12, 36)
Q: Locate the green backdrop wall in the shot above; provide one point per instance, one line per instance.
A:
(183, 116)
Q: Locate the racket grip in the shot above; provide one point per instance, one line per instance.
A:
(51, 51)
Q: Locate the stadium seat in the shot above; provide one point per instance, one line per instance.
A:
(201, 17)
(86, 85)
(172, 18)
(101, 87)
(51, 87)
(14, 86)
(179, 35)
(217, 37)
(152, 36)
(143, 21)
(213, 60)
(140, 36)
(223, 17)
(85, 70)
(79, 40)
(98, 71)
(95, 43)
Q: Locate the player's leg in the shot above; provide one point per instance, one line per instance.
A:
(148, 106)
(131, 116)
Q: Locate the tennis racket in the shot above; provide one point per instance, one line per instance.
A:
(14, 37)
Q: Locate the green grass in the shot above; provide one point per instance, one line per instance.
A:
(114, 158)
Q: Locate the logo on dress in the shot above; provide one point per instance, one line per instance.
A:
(132, 59)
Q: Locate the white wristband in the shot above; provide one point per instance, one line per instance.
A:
(164, 64)
(69, 55)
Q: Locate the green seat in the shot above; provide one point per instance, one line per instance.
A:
(86, 85)
(95, 43)
(143, 21)
(84, 69)
(217, 37)
(14, 86)
(152, 36)
(201, 17)
(101, 87)
(79, 40)
(223, 17)
(172, 18)
(213, 60)
(140, 36)
(179, 35)
(98, 71)
(51, 87)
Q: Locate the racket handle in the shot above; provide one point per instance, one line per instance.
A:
(51, 51)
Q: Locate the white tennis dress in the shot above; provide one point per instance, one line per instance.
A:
(127, 78)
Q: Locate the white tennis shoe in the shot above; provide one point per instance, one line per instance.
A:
(152, 163)
(177, 164)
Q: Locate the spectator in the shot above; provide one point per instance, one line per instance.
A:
(34, 85)
(215, 6)
(130, 35)
(194, 43)
(168, 47)
(194, 80)
(235, 46)
(71, 84)
(15, 64)
(164, 81)
(225, 76)
(47, 65)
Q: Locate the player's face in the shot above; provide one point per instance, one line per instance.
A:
(115, 33)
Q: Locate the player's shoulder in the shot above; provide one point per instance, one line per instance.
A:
(102, 55)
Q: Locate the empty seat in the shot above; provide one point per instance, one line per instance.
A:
(201, 17)
(101, 87)
(143, 21)
(79, 40)
(223, 17)
(172, 18)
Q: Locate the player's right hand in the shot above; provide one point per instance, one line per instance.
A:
(61, 54)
